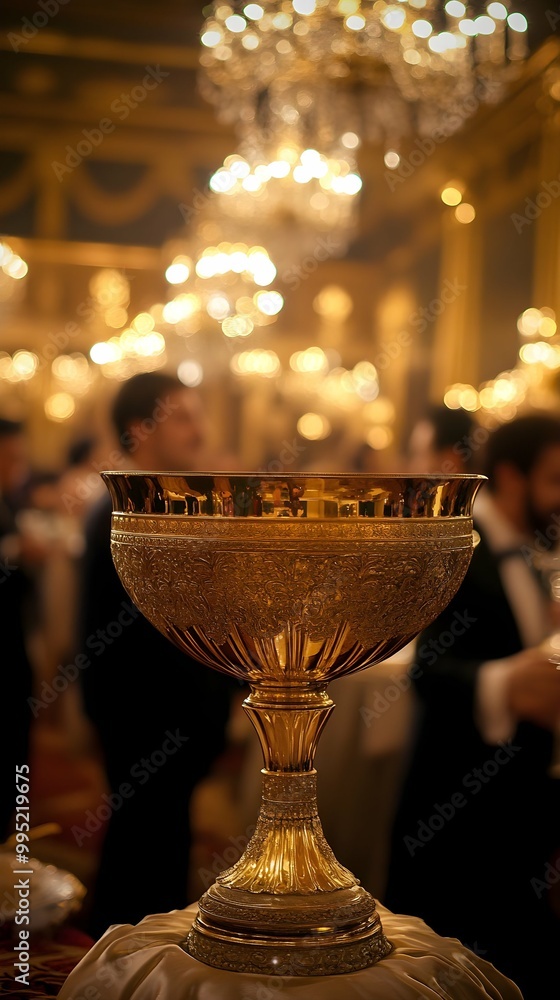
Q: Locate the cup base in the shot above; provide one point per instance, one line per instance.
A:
(320, 934)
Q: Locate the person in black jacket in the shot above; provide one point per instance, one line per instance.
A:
(476, 841)
(160, 716)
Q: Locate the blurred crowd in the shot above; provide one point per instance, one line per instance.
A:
(477, 829)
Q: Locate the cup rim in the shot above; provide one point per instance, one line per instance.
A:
(435, 476)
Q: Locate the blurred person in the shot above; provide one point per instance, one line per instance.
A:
(476, 841)
(47, 516)
(444, 441)
(141, 693)
(17, 681)
(80, 483)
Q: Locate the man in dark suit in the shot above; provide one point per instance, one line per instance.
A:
(160, 716)
(476, 842)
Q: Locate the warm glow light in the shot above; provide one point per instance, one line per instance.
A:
(498, 11)
(529, 322)
(65, 367)
(465, 213)
(313, 426)
(236, 23)
(380, 410)
(181, 307)
(262, 269)
(517, 22)
(313, 359)
(105, 352)
(422, 29)
(379, 438)
(25, 364)
(265, 363)
(279, 168)
(547, 327)
(115, 317)
(350, 140)
(391, 159)
(270, 303)
(451, 195)
(237, 326)
(468, 398)
(211, 38)
(59, 406)
(539, 352)
(190, 372)
(178, 271)
(355, 22)
(333, 302)
(218, 307)
(304, 6)
(143, 323)
(15, 267)
(254, 11)
(484, 25)
(393, 18)
(6, 253)
(149, 345)
(455, 9)
(451, 397)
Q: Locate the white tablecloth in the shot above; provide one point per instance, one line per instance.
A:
(146, 962)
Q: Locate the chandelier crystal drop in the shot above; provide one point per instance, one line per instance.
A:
(302, 64)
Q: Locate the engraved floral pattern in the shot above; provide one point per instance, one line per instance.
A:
(378, 592)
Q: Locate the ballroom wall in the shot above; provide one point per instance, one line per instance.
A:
(433, 301)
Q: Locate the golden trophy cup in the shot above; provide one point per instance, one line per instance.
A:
(288, 582)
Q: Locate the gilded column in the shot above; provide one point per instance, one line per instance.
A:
(456, 308)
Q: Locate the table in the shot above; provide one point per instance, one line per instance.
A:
(146, 961)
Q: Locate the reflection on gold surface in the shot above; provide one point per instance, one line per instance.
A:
(287, 582)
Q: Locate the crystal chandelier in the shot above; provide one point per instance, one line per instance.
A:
(299, 193)
(12, 269)
(382, 70)
(533, 382)
(225, 283)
